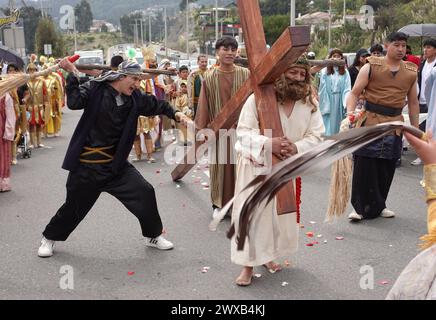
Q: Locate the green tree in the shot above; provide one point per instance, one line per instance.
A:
(127, 23)
(274, 27)
(31, 17)
(84, 16)
(46, 34)
(282, 7)
(104, 28)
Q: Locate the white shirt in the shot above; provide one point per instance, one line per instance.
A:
(425, 74)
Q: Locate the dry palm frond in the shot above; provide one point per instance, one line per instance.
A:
(340, 188)
(318, 158)
(340, 183)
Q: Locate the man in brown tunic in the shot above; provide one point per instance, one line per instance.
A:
(387, 82)
(219, 85)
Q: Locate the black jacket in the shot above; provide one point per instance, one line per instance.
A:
(88, 97)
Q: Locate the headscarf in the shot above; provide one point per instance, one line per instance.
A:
(31, 66)
(163, 63)
(126, 68)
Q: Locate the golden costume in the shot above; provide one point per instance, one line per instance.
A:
(35, 105)
(53, 107)
(144, 126)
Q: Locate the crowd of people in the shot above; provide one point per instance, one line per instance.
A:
(33, 112)
(125, 109)
(29, 114)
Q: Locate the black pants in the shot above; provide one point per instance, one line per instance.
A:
(372, 179)
(84, 186)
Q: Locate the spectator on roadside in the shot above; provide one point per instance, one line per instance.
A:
(376, 50)
(425, 69)
(411, 57)
(358, 63)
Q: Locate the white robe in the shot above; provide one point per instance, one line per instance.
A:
(418, 279)
(272, 236)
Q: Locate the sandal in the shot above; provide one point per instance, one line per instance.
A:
(242, 281)
(273, 267)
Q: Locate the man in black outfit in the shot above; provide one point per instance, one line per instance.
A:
(98, 152)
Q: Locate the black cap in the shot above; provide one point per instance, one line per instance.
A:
(363, 53)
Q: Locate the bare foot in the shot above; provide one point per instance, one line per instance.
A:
(244, 278)
(273, 267)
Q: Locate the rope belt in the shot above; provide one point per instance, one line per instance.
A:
(106, 157)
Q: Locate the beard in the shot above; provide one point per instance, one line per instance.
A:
(291, 90)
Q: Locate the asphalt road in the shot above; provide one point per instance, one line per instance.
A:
(106, 258)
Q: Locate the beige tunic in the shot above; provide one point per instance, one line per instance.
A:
(271, 236)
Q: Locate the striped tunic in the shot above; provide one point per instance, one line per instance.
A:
(217, 89)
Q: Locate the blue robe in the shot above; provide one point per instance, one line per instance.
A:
(430, 96)
(332, 93)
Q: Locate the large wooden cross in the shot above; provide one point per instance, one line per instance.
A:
(265, 66)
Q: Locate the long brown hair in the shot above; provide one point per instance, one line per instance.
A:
(330, 69)
(283, 85)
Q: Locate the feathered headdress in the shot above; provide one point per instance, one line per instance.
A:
(31, 66)
(148, 53)
(33, 58)
(42, 60)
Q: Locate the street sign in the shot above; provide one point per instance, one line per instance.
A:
(47, 49)
(67, 20)
(12, 19)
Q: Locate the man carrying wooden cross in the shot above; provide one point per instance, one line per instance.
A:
(277, 235)
(219, 85)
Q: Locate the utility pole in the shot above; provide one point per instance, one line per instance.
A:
(74, 30)
(330, 24)
(142, 32)
(187, 29)
(42, 9)
(149, 29)
(292, 13)
(345, 10)
(11, 9)
(166, 32)
(216, 20)
(135, 32)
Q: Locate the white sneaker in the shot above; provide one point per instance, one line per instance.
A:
(46, 248)
(159, 242)
(354, 216)
(386, 213)
(151, 160)
(416, 162)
